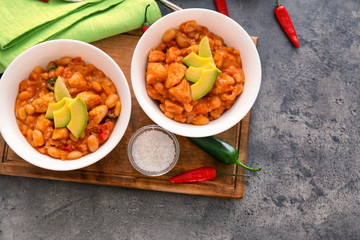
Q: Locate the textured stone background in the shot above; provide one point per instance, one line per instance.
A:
(304, 133)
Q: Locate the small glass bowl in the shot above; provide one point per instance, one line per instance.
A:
(160, 129)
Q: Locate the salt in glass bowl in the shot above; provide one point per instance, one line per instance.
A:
(137, 134)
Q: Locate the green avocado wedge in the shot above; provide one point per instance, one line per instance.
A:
(60, 90)
(79, 117)
(194, 60)
(62, 116)
(55, 107)
(204, 48)
(193, 74)
(202, 70)
(204, 85)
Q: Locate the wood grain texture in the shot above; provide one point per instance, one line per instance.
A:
(116, 170)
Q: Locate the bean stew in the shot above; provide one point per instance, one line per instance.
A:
(165, 81)
(81, 79)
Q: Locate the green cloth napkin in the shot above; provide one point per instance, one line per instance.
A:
(24, 23)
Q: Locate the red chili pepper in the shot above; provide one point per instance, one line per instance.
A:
(285, 22)
(199, 175)
(146, 24)
(45, 0)
(104, 132)
(67, 148)
(221, 6)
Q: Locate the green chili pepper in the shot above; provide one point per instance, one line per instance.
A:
(221, 150)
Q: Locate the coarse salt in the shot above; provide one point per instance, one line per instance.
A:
(153, 151)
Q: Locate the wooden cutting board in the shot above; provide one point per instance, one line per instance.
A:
(116, 170)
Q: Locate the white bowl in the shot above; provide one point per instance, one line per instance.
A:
(234, 36)
(40, 55)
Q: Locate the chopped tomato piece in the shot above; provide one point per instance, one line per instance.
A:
(104, 132)
(67, 148)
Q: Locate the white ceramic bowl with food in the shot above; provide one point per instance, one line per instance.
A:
(41, 55)
(234, 36)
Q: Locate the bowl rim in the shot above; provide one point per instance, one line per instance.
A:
(42, 160)
(183, 129)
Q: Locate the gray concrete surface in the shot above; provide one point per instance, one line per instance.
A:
(304, 133)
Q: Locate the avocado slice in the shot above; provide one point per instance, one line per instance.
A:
(62, 116)
(204, 48)
(56, 106)
(205, 83)
(193, 74)
(194, 60)
(79, 116)
(60, 90)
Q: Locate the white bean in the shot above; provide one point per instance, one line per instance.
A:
(111, 100)
(117, 109)
(38, 137)
(74, 155)
(93, 143)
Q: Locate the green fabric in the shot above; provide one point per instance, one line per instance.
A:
(24, 23)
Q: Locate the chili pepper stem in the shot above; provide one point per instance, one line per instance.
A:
(146, 23)
(146, 12)
(231, 174)
(277, 3)
(238, 162)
